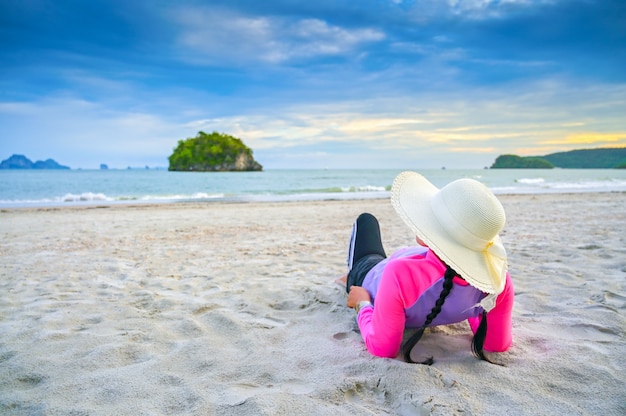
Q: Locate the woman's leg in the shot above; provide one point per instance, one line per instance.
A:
(365, 239)
(366, 249)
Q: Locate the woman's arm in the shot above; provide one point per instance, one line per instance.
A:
(382, 326)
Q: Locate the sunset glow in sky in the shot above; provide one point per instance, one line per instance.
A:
(331, 83)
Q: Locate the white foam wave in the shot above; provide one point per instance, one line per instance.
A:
(180, 197)
(85, 197)
(543, 186)
(591, 185)
(365, 188)
(531, 181)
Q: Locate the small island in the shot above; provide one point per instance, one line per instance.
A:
(215, 152)
(22, 162)
(604, 158)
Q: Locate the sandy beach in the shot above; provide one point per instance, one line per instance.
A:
(233, 309)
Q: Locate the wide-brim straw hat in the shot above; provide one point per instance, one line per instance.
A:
(459, 222)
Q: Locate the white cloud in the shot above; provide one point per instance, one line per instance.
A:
(486, 9)
(222, 36)
(431, 127)
(475, 124)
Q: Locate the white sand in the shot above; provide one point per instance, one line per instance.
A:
(232, 309)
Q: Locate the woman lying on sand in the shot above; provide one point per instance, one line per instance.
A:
(457, 272)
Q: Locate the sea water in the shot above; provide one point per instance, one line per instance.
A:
(31, 188)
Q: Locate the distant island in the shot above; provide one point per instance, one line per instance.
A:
(22, 162)
(604, 158)
(215, 152)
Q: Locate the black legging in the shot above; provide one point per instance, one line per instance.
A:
(366, 249)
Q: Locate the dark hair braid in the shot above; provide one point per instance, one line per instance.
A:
(408, 346)
(479, 340)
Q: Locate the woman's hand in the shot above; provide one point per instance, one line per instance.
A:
(357, 294)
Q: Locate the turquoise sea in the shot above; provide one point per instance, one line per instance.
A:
(35, 188)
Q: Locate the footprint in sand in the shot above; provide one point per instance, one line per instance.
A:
(614, 299)
(206, 308)
(31, 379)
(362, 394)
(269, 322)
(238, 393)
(298, 387)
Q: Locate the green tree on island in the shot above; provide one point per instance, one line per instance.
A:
(215, 152)
(600, 158)
(517, 162)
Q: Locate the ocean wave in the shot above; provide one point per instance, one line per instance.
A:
(18, 189)
(531, 181)
(542, 186)
(365, 188)
(613, 184)
(330, 190)
(85, 197)
(181, 197)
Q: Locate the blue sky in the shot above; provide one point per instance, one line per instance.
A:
(337, 84)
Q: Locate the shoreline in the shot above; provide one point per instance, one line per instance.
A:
(232, 308)
(200, 203)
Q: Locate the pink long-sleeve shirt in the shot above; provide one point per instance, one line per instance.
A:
(404, 288)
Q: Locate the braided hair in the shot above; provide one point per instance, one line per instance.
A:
(479, 340)
(479, 337)
(410, 343)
